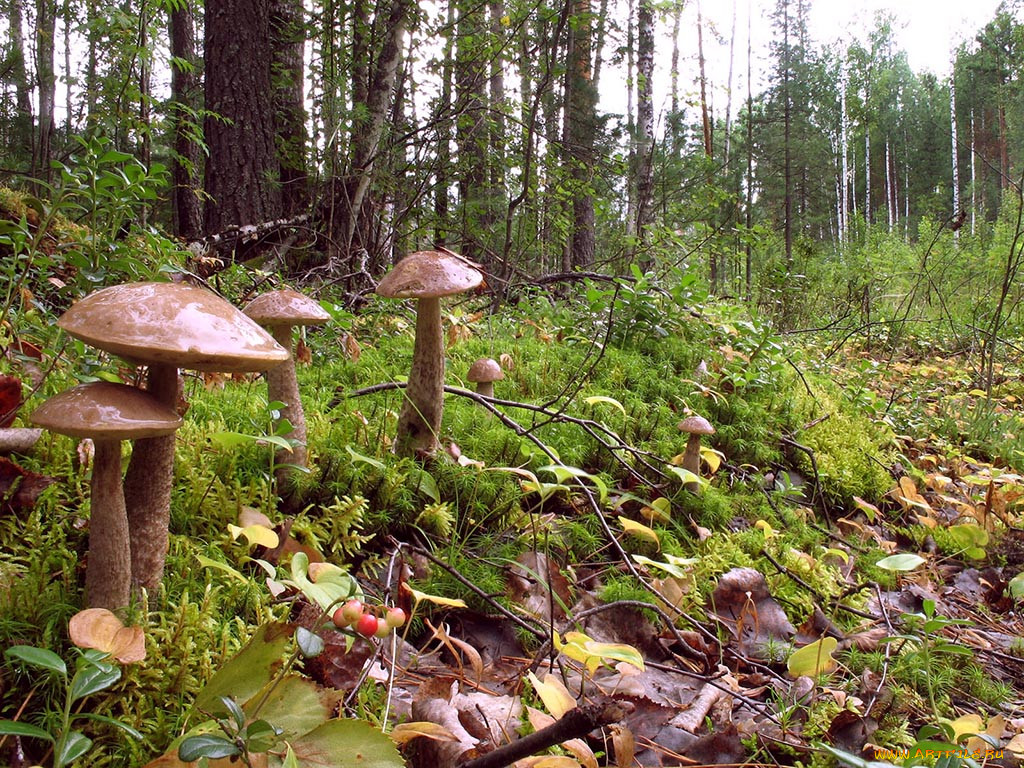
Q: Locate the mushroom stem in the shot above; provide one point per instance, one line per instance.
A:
(147, 487)
(419, 421)
(108, 577)
(283, 385)
(691, 461)
(485, 388)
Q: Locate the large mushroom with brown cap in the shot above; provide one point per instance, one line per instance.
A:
(107, 413)
(694, 426)
(484, 372)
(279, 312)
(165, 326)
(426, 276)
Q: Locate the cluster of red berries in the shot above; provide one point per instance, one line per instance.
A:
(365, 621)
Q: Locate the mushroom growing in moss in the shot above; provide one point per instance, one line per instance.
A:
(694, 426)
(426, 276)
(108, 413)
(165, 326)
(484, 372)
(280, 311)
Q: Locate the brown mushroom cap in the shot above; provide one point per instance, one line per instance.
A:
(484, 370)
(174, 324)
(285, 307)
(429, 274)
(696, 425)
(106, 411)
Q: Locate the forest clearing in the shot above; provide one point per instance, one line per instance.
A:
(371, 397)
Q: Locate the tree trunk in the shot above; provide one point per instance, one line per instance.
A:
(444, 135)
(47, 85)
(581, 125)
(242, 169)
(22, 139)
(953, 148)
(186, 165)
(365, 141)
(471, 126)
(288, 35)
(645, 121)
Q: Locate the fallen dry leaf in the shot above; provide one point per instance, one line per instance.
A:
(100, 629)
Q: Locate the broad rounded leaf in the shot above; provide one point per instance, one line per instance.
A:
(38, 657)
(347, 744)
(403, 733)
(210, 745)
(902, 562)
(100, 629)
(75, 745)
(813, 659)
(552, 691)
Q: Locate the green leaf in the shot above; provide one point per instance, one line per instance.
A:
(111, 721)
(1016, 586)
(295, 705)
(75, 745)
(248, 671)
(813, 659)
(903, 562)
(426, 485)
(346, 744)
(310, 644)
(224, 567)
(563, 473)
(38, 657)
(261, 736)
(356, 456)
(92, 679)
(208, 745)
(14, 728)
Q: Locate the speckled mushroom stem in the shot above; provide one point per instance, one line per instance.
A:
(691, 461)
(108, 575)
(485, 388)
(419, 421)
(147, 487)
(283, 385)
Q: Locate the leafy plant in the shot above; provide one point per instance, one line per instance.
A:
(93, 672)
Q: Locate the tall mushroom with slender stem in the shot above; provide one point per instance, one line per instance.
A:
(108, 413)
(426, 276)
(165, 326)
(694, 426)
(279, 312)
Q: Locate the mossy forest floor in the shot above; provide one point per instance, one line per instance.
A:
(844, 576)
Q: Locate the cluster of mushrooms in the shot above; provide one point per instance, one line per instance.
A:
(171, 326)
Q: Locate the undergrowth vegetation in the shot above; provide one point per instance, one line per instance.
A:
(578, 458)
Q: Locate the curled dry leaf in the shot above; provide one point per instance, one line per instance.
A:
(100, 629)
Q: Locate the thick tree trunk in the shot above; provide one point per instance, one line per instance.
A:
(22, 140)
(242, 169)
(471, 77)
(186, 166)
(581, 126)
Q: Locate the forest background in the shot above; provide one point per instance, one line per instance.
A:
(352, 133)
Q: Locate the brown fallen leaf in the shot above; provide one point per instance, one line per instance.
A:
(19, 488)
(100, 629)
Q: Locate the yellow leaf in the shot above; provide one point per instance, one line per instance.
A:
(814, 659)
(765, 528)
(604, 399)
(641, 531)
(592, 654)
(403, 733)
(258, 535)
(966, 725)
(659, 510)
(451, 602)
(553, 693)
(712, 458)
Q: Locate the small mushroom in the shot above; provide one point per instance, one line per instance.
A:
(484, 372)
(279, 312)
(694, 426)
(165, 326)
(426, 276)
(108, 413)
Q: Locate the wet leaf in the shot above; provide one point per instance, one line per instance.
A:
(901, 562)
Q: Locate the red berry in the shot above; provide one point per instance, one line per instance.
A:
(367, 625)
(338, 617)
(394, 618)
(383, 630)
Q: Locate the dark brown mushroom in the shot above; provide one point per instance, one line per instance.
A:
(107, 413)
(165, 326)
(426, 276)
(279, 312)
